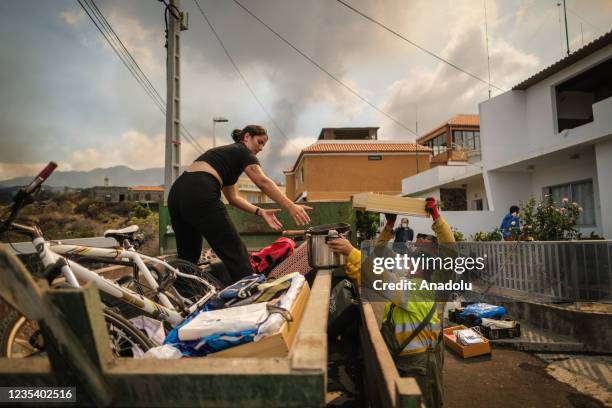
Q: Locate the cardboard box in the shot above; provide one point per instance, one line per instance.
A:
(472, 350)
(390, 204)
(278, 344)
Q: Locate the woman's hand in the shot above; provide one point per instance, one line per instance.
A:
(270, 217)
(299, 214)
(340, 245)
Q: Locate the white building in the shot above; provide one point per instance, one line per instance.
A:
(552, 133)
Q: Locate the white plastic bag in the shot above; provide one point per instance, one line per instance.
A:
(165, 352)
(232, 319)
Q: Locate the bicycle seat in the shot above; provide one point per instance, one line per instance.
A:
(123, 232)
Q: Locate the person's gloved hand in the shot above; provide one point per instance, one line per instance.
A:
(431, 206)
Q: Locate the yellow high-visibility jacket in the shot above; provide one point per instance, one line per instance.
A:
(408, 313)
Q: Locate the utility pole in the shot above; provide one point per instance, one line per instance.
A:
(177, 22)
(416, 130)
(217, 119)
(566, 35)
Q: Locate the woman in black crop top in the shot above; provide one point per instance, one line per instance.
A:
(196, 209)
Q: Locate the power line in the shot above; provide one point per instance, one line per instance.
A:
(583, 19)
(417, 45)
(111, 37)
(316, 64)
(261, 105)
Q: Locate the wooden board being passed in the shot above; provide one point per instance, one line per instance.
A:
(389, 204)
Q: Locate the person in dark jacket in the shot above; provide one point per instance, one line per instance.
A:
(196, 209)
(404, 233)
(510, 223)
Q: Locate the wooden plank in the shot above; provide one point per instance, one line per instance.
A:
(15, 280)
(408, 393)
(310, 349)
(391, 389)
(88, 325)
(390, 204)
(275, 345)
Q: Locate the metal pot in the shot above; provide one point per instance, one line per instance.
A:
(320, 256)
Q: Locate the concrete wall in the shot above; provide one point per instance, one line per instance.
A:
(603, 158)
(567, 171)
(503, 133)
(517, 123)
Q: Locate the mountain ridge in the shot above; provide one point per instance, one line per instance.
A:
(118, 176)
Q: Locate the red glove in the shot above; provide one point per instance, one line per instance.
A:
(431, 206)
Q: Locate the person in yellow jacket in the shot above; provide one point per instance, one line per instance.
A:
(423, 356)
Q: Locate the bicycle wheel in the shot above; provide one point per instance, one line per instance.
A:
(21, 337)
(192, 289)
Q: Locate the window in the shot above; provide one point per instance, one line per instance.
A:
(302, 175)
(437, 144)
(580, 192)
(375, 157)
(466, 139)
(252, 198)
(575, 97)
(478, 204)
(148, 197)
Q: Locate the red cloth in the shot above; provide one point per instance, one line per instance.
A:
(272, 255)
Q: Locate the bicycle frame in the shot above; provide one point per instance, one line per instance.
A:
(50, 254)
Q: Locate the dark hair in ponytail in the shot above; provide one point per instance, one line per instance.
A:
(253, 130)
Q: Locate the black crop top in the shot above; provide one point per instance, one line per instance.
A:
(229, 161)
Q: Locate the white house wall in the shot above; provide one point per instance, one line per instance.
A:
(603, 157)
(567, 171)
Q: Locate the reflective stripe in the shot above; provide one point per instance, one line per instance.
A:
(409, 327)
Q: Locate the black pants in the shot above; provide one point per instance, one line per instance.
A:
(196, 210)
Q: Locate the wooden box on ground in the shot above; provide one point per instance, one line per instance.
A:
(277, 344)
(389, 204)
(472, 350)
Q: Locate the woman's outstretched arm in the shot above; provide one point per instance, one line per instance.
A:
(269, 187)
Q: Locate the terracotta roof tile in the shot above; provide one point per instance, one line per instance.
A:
(370, 146)
(382, 147)
(457, 120)
(464, 120)
(147, 188)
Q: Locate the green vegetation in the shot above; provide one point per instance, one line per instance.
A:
(65, 216)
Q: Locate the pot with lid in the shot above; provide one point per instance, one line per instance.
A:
(320, 255)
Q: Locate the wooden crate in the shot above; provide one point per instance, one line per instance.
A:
(275, 345)
(472, 350)
(390, 204)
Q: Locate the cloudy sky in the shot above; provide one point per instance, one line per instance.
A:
(66, 96)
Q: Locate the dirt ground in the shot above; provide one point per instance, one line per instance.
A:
(507, 378)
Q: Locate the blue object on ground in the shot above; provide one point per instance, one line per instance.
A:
(480, 310)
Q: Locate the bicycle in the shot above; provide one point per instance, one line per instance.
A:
(50, 253)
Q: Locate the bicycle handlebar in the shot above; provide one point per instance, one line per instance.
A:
(22, 195)
(42, 176)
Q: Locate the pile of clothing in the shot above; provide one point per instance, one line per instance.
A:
(246, 311)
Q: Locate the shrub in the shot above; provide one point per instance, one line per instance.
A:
(457, 234)
(481, 236)
(367, 225)
(545, 221)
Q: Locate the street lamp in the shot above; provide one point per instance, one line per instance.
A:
(217, 119)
